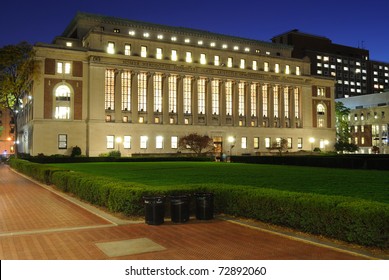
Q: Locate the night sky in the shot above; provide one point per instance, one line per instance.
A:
(354, 23)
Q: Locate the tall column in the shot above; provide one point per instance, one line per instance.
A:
(118, 96)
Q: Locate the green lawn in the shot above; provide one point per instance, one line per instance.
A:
(366, 184)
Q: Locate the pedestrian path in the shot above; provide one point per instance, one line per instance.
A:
(37, 223)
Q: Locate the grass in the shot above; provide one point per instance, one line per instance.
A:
(365, 184)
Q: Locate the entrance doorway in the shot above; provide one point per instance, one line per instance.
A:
(218, 147)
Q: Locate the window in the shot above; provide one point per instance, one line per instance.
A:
(173, 94)
(159, 142)
(296, 103)
(287, 69)
(142, 92)
(62, 102)
(157, 80)
(299, 143)
(111, 48)
(244, 143)
(228, 85)
(253, 99)
(267, 142)
(109, 89)
(174, 56)
(203, 58)
(255, 65)
(266, 66)
(320, 91)
(298, 72)
(64, 67)
(143, 142)
(289, 139)
(229, 62)
(158, 55)
(188, 57)
(217, 60)
(127, 142)
(174, 142)
(143, 51)
(215, 97)
(110, 142)
(264, 101)
(127, 49)
(320, 115)
(256, 142)
(126, 90)
(286, 102)
(277, 68)
(187, 95)
(276, 101)
(62, 141)
(241, 93)
(242, 64)
(201, 95)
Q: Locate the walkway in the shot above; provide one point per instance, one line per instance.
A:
(39, 223)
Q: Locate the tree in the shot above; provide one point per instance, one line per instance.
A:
(17, 69)
(342, 130)
(199, 144)
(280, 146)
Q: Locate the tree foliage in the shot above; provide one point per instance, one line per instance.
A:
(17, 69)
(342, 130)
(199, 144)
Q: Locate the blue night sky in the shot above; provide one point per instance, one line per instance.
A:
(352, 23)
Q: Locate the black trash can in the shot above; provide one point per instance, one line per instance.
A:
(204, 206)
(179, 208)
(154, 209)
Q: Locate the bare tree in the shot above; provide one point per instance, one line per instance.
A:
(199, 144)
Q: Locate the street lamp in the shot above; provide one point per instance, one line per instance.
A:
(231, 140)
(311, 140)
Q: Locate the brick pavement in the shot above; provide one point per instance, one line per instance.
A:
(36, 223)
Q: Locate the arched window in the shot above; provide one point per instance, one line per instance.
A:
(321, 111)
(62, 102)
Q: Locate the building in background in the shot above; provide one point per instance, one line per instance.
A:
(115, 84)
(7, 136)
(351, 68)
(369, 121)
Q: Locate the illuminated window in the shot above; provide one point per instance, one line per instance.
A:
(298, 72)
(277, 68)
(229, 62)
(201, 95)
(276, 101)
(217, 60)
(69, 44)
(188, 57)
(143, 51)
(228, 85)
(174, 142)
(242, 64)
(255, 65)
(143, 142)
(203, 59)
(174, 55)
(299, 143)
(131, 33)
(109, 89)
(224, 46)
(62, 102)
(241, 95)
(62, 141)
(126, 90)
(289, 143)
(296, 103)
(215, 97)
(287, 69)
(157, 81)
(187, 40)
(244, 143)
(142, 92)
(110, 141)
(64, 67)
(173, 94)
(320, 91)
(187, 95)
(256, 142)
(266, 66)
(127, 49)
(265, 101)
(159, 53)
(267, 142)
(111, 48)
(253, 99)
(127, 142)
(160, 36)
(146, 35)
(320, 115)
(159, 142)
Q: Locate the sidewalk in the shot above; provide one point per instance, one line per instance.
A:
(38, 223)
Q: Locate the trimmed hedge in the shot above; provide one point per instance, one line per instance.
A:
(352, 220)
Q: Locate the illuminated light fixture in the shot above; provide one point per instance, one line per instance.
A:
(160, 36)
(174, 38)
(131, 32)
(200, 42)
(146, 35)
(224, 46)
(246, 49)
(69, 44)
(213, 44)
(187, 40)
(236, 48)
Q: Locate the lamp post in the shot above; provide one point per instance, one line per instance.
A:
(231, 140)
(311, 140)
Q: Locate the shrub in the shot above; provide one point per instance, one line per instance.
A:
(76, 151)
